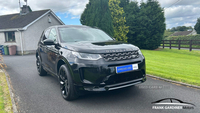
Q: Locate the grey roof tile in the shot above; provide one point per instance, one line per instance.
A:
(19, 21)
(180, 33)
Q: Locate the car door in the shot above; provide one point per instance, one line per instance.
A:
(52, 51)
(43, 48)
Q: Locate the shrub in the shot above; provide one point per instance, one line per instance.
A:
(190, 37)
(2, 65)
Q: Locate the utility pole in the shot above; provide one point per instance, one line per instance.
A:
(19, 5)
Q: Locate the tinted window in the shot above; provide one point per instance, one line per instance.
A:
(53, 35)
(74, 34)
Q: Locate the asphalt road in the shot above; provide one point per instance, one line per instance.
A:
(35, 94)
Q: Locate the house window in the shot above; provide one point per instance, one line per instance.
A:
(10, 36)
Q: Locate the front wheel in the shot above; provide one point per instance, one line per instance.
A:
(68, 91)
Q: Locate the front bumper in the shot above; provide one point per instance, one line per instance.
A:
(102, 76)
(115, 86)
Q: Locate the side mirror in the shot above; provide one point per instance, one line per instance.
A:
(49, 42)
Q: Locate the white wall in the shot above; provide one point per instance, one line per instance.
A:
(17, 40)
(32, 34)
(193, 33)
(2, 38)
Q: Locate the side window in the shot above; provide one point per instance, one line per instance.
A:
(46, 34)
(53, 35)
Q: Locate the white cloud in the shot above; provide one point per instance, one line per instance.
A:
(75, 7)
(188, 24)
(182, 14)
(177, 12)
(66, 15)
(75, 17)
(6, 10)
(181, 11)
(76, 11)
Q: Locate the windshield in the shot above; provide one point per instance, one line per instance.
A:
(75, 34)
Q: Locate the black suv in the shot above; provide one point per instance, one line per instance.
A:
(87, 59)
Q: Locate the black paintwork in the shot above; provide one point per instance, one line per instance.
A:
(91, 75)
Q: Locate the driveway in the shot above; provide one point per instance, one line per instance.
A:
(35, 94)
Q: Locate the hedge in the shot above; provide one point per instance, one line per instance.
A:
(190, 37)
(196, 44)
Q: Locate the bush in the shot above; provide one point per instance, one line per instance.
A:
(196, 44)
(191, 37)
(2, 65)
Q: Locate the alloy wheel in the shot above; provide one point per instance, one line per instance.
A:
(64, 86)
(38, 64)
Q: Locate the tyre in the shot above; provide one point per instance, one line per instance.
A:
(40, 69)
(68, 90)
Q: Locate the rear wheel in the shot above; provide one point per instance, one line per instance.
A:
(40, 69)
(68, 91)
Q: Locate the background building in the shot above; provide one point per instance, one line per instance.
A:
(25, 28)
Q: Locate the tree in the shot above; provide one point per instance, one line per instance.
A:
(132, 20)
(147, 24)
(97, 14)
(124, 3)
(167, 34)
(118, 20)
(180, 28)
(154, 24)
(197, 26)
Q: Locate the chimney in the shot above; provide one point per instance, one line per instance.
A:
(25, 10)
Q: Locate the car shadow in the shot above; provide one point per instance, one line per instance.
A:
(115, 96)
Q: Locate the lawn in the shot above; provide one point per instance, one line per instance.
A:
(5, 100)
(178, 65)
(1, 101)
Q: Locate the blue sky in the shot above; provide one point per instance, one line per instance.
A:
(69, 19)
(177, 12)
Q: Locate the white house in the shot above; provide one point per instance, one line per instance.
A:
(25, 28)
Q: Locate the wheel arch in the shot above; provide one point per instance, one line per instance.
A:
(61, 62)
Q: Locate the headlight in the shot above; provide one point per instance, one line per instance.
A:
(139, 52)
(87, 56)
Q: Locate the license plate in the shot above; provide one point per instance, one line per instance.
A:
(126, 68)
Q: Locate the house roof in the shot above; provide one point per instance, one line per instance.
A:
(179, 33)
(20, 21)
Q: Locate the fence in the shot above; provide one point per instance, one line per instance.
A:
(191, 44)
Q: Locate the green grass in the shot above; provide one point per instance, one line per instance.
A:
(178, 65)
(5, 100)
(1, 101)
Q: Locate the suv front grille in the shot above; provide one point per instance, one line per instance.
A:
(120, 56)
